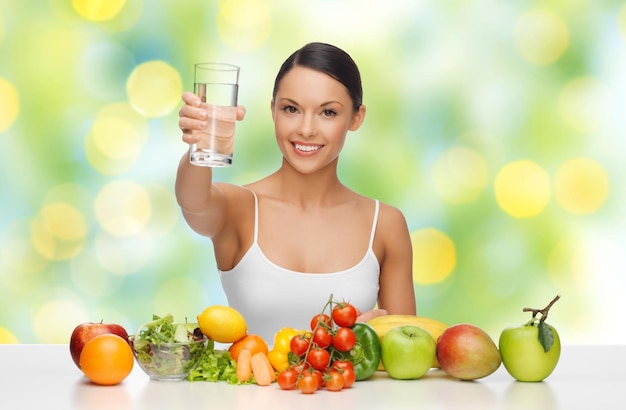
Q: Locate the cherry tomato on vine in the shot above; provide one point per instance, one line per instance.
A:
(322, 338)
(342, 364)
(344, 339)
(323, 319)
(319, 359)
(308, 383)
(287, 379)
(334, 381)
(344, 314)
(299, 344)
(301, 367)
(318, 375)
(349, 377)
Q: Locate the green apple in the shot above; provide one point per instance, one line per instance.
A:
(524, 356)
(407, 352)
(467, 352)
(531, 352)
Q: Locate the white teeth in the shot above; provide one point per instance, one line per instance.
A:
(307, 148)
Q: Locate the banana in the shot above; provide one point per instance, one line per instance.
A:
(383, 324)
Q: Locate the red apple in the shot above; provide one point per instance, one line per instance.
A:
(87, 331)
(467, 352)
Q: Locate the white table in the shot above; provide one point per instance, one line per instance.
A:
(45, 377)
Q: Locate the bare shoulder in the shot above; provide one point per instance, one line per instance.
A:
(391, 219)
(392, 233)
(230, 191)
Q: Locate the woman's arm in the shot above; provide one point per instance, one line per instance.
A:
(396, 294)
(203, 203)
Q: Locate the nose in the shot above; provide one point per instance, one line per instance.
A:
(306, 128)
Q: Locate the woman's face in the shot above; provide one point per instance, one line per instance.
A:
(312, 114)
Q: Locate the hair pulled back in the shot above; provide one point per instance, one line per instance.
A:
(329, 60)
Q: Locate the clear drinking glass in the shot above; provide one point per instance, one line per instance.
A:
(217, 85)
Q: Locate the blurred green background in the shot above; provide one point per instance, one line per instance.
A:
(497, 127)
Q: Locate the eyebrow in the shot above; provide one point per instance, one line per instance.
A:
(321, 105)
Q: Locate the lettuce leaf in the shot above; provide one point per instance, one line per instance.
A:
(214, 366)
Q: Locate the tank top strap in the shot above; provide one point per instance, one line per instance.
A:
(256, 217)
(374, 222)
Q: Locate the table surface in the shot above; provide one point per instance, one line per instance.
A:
(45, 377)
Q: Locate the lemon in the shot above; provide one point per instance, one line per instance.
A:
(222, 324)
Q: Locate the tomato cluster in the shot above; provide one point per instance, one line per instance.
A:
(319, 358)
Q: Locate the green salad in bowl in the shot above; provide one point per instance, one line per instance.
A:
(166, 350)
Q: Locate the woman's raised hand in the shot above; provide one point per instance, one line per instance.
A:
(193, 118)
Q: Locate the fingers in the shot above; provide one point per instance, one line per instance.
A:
(241, 112)
(369, 315)
(192, 117)
(190, 98)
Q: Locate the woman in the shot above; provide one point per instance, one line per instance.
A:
(284, 243)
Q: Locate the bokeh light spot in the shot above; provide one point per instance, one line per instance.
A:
(7, 337)
(98, 10)
(522, 189)
(9, 104)
(581, 186)
(585, 104)
(244, 24)
(541, 36)
(116, 139)
(63, 221)
(51, 239)
(460, 175)
(154, 89)
(42, 239)
(123, 208)
(434, 256)
(18, 253)
(54, 321)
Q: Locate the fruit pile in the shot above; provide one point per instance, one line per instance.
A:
(336, 351)
(466, 352)
(101, 351)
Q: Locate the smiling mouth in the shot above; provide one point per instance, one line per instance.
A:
(307, 148)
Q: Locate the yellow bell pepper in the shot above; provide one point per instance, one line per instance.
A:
(279, 355)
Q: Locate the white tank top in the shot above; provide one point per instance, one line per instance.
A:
(271, 297)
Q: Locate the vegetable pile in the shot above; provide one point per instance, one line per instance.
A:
(334, 354)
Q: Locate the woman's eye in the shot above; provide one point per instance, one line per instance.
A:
(290, 109)
(329, 113)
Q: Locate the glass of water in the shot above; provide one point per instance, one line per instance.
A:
(217, 86)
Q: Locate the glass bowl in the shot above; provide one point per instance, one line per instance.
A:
(168, 361)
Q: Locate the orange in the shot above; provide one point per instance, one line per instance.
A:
(107, 359)
(253, 343)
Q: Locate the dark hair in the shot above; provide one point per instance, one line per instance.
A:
(329, 60)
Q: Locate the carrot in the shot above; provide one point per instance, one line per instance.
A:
(262, 369)
(244, 367)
